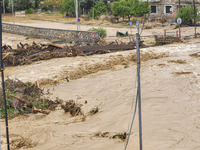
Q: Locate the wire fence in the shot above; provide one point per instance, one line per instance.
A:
(157, 35)
(171, 35)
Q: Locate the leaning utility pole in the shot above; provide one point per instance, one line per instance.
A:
(194, 12)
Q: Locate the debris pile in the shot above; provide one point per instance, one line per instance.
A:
(26, 54)
(72, 107)
(160, 40)
(25, 98)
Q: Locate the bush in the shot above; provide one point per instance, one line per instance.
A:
(186, 14)
(29, 11)
(101, 31)
(134, 20)
(198, 18)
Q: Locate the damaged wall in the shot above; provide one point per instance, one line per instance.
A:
(48, 33)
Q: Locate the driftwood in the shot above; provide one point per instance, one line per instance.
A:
(20, 99)
(36, 110)
(26, 54)
(72, 107)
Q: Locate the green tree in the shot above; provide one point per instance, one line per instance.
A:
(140, 8)
(68, 7)
(130, 8)
(99, 9)
(50, 4)
(122, 8)
(21, 4)
(86, 4)
(186, 14)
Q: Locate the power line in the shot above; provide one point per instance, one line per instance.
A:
(129, 134)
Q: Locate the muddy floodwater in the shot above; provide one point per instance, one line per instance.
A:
(170, 86)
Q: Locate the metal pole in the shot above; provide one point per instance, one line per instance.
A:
(0, 129)
(4, 11)
(76, 7)
(93, 13)
(13, 12)
(2, 75)
(139, 88)
(194, 12)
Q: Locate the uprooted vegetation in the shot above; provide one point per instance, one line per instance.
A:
(24, 98)
(72, 107)
(179, 61)
(182, 73)
(196, 55)
(121, 136)
(26, 54)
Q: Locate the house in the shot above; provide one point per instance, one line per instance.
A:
(161, 8)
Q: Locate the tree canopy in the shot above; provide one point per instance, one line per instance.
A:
(87, 4)
(68, 6)
(49, 4)
(99, 9)
(187, 14)
(130, 8)
(21, 4)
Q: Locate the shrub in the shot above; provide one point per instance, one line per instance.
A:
(186, 14)
(29, 11)
(99, 9)
(101, 31)
(134, 20)
(198, 18)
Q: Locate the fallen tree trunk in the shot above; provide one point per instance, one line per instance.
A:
(20, 99)
(36, 110)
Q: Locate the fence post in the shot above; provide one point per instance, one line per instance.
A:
(164, 34)
(179, 32)
(176, 33)
(195, 31)
(95, 34)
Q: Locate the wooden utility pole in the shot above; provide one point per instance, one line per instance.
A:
(194, 12)
(179, 5)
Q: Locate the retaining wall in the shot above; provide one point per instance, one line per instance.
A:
(49, 33)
